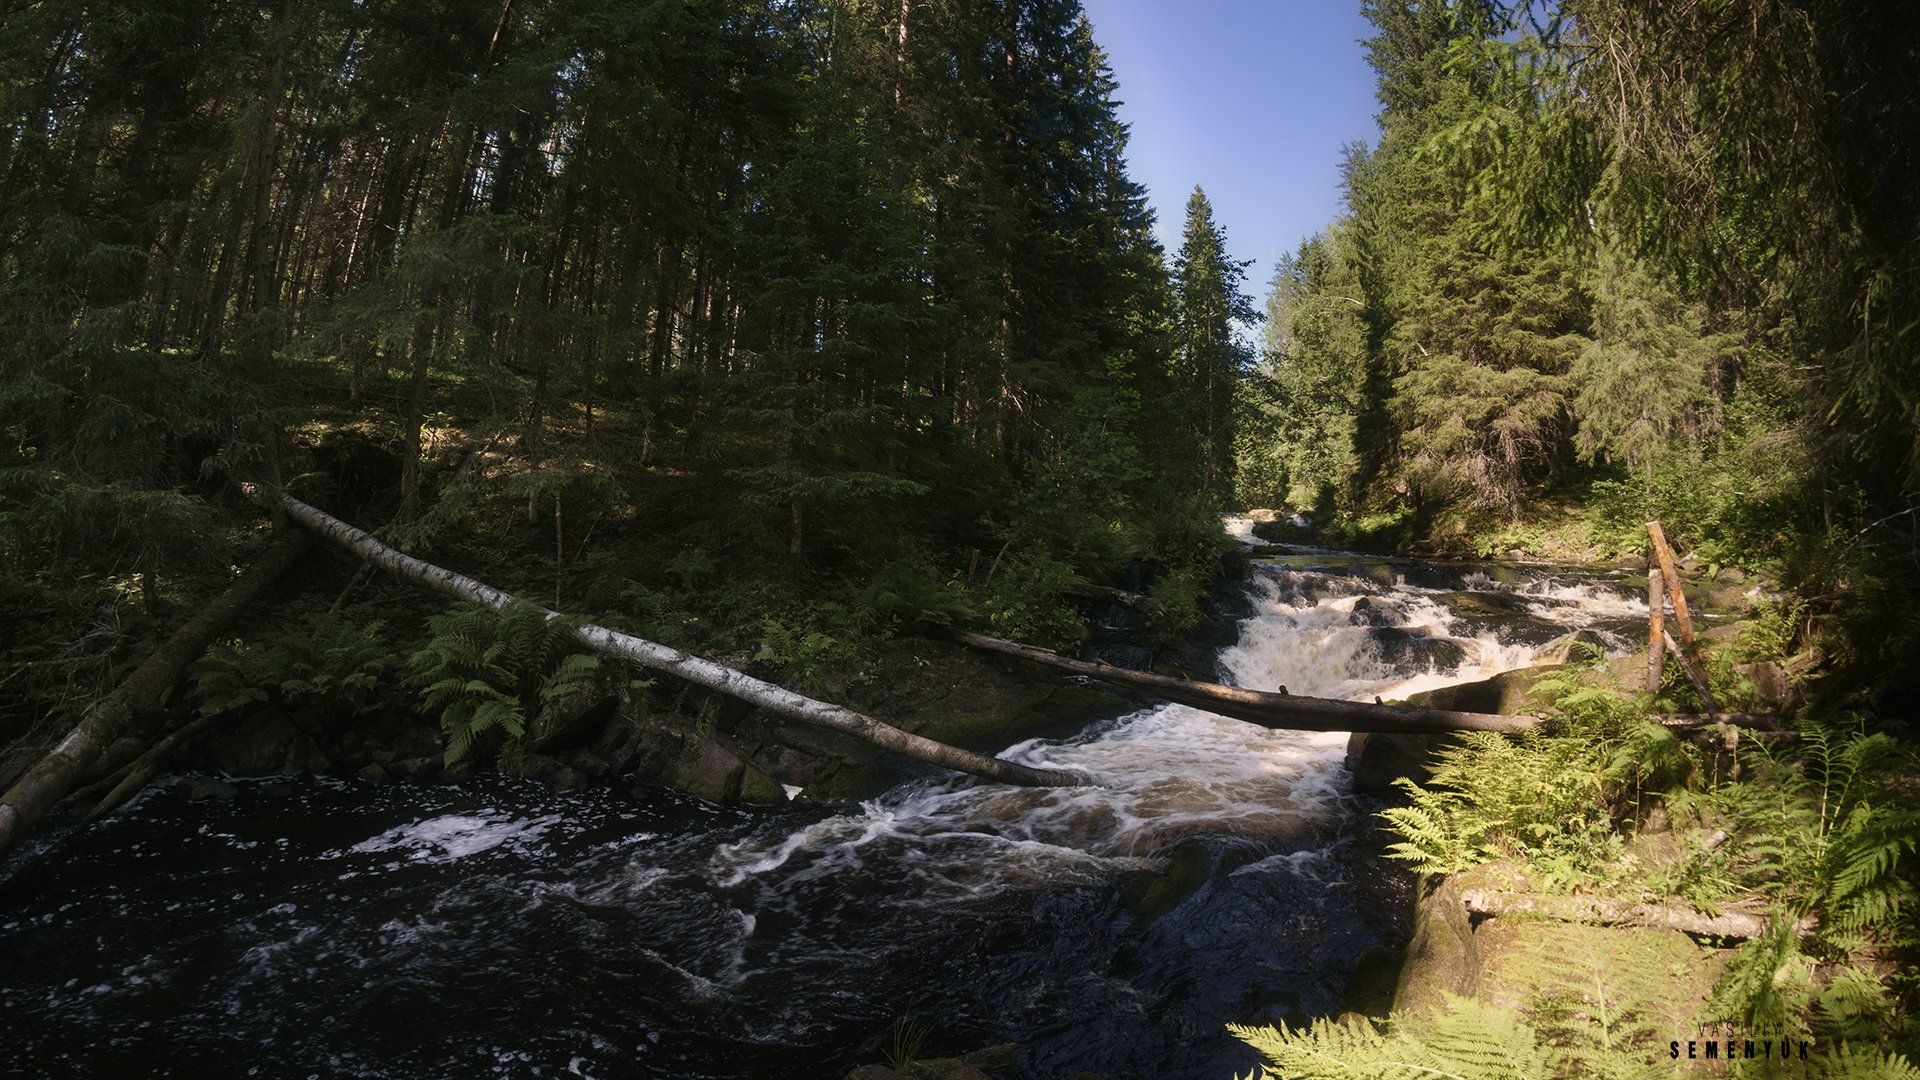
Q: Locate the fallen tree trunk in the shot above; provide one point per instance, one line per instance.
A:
(1694, 675)
(694, 669)
(57, 773)
(1266, 708)
(1756, 721)
(128, 782)
(1298, 713)
(1608, 911)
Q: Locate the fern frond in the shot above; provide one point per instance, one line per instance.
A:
(1468, 1040)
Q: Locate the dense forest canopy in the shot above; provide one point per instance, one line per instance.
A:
(710, 292)
(1640, 261)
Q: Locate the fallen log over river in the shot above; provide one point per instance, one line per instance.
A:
(1294, 712)
(694, 669)
(1266, 708)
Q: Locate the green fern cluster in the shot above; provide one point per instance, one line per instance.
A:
(1477, 1040)
(1825, 838)
(1466, 1039)
(1542, 797)
(1557, 796)
(325, 661)
(487, 676)
(807, 655)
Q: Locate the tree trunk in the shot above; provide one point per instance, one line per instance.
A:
(148, 765)
(1694, 674)
(1266, 708)
(1671, 575)
(694, 669)
(56, 774)
(1608, 911)
(1656, 624)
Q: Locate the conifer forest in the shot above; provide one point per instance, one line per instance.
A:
(721, 538)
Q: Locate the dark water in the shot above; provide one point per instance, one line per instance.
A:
(505, 929)
(497, 927)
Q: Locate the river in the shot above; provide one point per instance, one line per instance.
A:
(498, 927)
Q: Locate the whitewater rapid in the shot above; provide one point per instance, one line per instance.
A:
(1170, 772)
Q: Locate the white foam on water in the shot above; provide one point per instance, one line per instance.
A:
(1240, 527)
(1172, 772)
(456, 836)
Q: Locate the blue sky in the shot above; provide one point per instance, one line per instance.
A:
(1250, 99)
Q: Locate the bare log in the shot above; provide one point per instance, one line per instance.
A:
(143, 769)
(1609, 911)
(1694, 674)
(1266, 708)
(60, 770)
(1656, 624)
(1756, 721)
(1663, 554)
(694, 669)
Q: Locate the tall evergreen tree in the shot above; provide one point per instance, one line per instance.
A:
(1210, 308)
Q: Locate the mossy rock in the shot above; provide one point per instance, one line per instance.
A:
(1410, 649)
(1376, 759)
(1660, 979)
(1484, 606)
(1508, 693)
(1568, 648)
(1283, 530)
(1152, 893)
(1442, 956)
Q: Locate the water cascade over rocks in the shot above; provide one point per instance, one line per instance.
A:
(500, 928)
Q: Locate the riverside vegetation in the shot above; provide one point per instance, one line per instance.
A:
(1608, 263)
(786, 330)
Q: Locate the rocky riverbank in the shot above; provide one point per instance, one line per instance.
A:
(1525, 961)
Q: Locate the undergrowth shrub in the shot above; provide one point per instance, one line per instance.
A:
(1828, 838)
(326, 661)
(487, 676)
(1554, 796)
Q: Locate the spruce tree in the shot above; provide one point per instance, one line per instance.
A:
(1210, 307)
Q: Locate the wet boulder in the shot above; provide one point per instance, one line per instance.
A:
(1508, 693)
(1484, 605)
(1509, 616)
(572, 719)
(1377, 759)
(1569, 648)
(269, 743)
(1373, 611)
(1150, 894)
(1410, 650)
(982, 1064)
(1132, 657)
(548, 770)
(1293, 529)
(1111, 620)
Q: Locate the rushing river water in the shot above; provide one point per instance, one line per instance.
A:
(497, 927)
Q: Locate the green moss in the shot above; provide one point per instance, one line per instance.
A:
(1152, 893)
